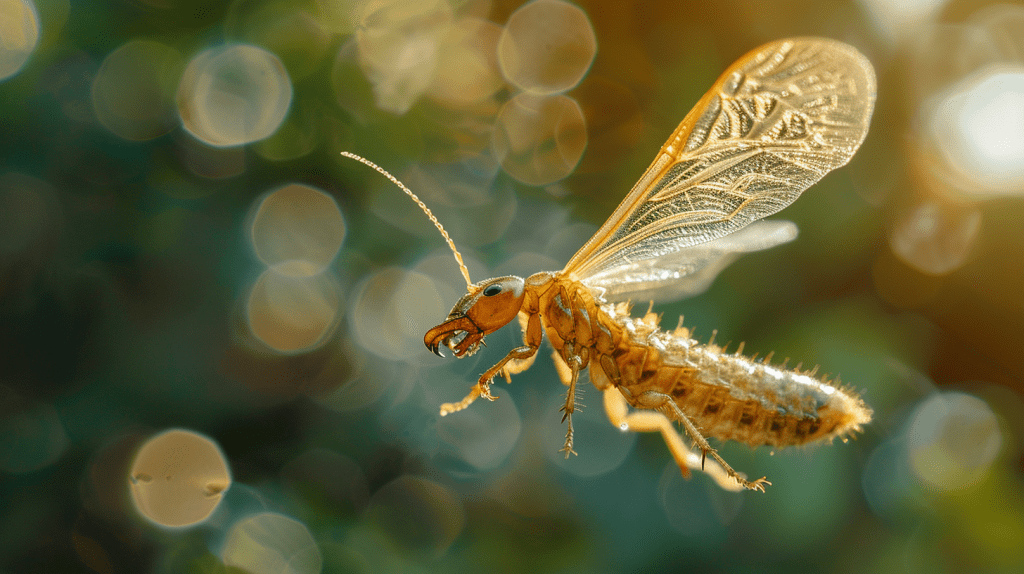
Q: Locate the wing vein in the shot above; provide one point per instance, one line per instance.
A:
(773, 124)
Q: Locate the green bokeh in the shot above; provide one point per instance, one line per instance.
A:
(123, 313)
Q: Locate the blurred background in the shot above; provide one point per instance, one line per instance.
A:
(211, 323)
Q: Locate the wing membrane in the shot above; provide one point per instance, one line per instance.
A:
(690, 271)
(774, 123)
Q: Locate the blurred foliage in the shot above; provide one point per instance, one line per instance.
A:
(127, 268)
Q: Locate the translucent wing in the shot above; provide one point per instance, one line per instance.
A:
(690, 271)
(777, 120)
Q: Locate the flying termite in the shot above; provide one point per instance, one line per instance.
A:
(773, 124)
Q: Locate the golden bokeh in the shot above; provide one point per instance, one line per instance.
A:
(234, 95)
(391, 311)
(178, 478)
(398, 43)
(952, 440)
(19, 34)
(270, 543)
(539, 139)
(977, 125)
(936, 238)
(547, 47)
(291, 309)
(467, 66)
(298, 230)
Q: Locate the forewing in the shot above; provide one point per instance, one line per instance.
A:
(690, 271)
(777, 120)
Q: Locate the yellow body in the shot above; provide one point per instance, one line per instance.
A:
(774, 123)
(712, 393)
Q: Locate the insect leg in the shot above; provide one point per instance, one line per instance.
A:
(570, 404)
(645, 421)
(476, 391)
(617, 408)
(483, 386)
(517, 356)
(516, 366)
(658, 401)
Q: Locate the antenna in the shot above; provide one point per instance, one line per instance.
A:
(394, 180)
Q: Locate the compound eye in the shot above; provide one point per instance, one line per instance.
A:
(492, 291)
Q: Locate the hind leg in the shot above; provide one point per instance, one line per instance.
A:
(649, 421)
(659, 401)
(617, 408)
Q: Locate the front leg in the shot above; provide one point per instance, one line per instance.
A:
(518, 356)
(482, 388)
(527, 322)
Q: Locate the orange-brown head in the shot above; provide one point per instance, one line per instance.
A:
(489, 306)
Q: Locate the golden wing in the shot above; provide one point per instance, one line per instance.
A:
(773, 124)
(691, 270)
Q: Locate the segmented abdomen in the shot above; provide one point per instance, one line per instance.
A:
(727, 395)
